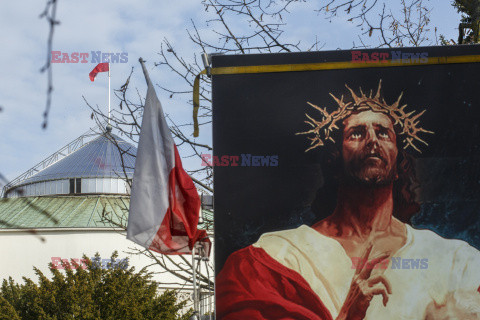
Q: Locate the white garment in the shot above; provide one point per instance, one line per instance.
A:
(324, 264)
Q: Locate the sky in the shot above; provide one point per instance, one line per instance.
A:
(119, 26)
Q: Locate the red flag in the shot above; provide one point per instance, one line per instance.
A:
(164, 203)
(101, 67)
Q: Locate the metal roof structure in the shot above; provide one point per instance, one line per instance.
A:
(63, 212)
(105, 156)
(93, 211)
(98, 158)
(83, 185)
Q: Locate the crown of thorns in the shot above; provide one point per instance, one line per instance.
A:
(408, 122)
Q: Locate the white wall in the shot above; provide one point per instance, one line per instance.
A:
(21, 251)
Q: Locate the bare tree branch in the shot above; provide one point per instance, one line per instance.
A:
(50, 15)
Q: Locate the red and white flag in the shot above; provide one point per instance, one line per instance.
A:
(101, 67)
(164, 203)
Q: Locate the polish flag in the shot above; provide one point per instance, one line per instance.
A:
(164, 203)
(101, 67)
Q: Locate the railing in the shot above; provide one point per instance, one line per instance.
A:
(57, 156)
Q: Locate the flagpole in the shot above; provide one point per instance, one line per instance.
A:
(195, 298)
(109, 93)
(145, 72)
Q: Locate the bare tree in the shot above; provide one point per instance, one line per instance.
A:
(254, 26)
(49, 14)
(264, 30)
(385, 23)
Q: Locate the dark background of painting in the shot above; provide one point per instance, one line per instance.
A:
(259, 114)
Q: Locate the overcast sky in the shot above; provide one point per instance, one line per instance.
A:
(115, 26)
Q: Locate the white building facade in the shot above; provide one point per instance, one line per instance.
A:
(75, 203)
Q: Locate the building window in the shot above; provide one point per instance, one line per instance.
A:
(78, 185)
(75, 185)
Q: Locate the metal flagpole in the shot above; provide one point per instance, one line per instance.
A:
(199, 288)
(210, 310)
(109, 93)
(195, 298)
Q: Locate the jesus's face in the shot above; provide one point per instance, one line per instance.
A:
(369, 149)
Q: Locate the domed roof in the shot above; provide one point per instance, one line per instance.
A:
(99, 158)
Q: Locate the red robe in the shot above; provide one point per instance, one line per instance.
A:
(254, 286)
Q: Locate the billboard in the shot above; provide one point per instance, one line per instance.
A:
(347, 184)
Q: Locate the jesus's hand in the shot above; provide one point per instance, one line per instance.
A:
(363, 287)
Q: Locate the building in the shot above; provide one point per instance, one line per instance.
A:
(75, 203)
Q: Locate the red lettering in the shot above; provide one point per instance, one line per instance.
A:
(84, 56)
(374, 56)
(370, 265)
(234, 161)
(66, 264)
(206, 160)
(384, 56)
(356, 56)
(75, 57)
(358, 263)
(75, 263)
(57, 263)
(83, 263)
(65, 58)
(55, 58)
(383, 264)
(365, 57)
(216, 162)
(378, 264)
(225, 161)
